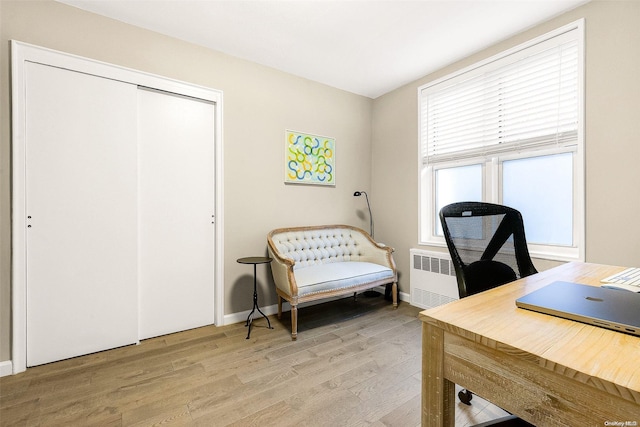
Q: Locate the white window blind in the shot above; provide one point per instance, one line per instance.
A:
(525, 100)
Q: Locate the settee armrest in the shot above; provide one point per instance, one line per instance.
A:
(374, 252)
(282, 270)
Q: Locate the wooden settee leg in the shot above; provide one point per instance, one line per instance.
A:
(294, 322)
(279, 307)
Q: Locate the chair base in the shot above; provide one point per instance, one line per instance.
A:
(508, 421)
(465, 396)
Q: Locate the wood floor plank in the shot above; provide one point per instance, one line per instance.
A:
(404, 415)
(367, 369)
(354, 363)
(376, 406)
(379, 383)
(269, 416)
(312, 404)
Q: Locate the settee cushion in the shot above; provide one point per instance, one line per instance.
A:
(323, 277)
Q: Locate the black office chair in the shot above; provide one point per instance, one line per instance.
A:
(487, 247)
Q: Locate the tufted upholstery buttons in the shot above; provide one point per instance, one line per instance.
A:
(317, 246)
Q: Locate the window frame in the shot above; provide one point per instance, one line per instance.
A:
(492, 164)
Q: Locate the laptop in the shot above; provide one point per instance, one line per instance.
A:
(618, 310)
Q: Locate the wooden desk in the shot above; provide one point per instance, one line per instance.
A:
(548, 371)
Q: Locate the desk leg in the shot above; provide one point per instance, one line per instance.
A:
(438, 393)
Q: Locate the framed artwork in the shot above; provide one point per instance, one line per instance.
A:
(309, 159)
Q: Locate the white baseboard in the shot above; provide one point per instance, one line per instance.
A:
(6, 368)
(403, 296)
(273, 309)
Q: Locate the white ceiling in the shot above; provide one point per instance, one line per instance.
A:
(365, 47)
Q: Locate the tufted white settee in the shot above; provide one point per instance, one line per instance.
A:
(311, 263)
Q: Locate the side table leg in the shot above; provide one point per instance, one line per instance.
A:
(265, 316)
(255, 305)
(250, 317)
(249, 322)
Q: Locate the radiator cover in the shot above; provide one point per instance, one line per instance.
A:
(432, 279)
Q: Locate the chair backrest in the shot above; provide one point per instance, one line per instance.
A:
(487, 245)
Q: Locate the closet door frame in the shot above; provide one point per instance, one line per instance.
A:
(21, 53)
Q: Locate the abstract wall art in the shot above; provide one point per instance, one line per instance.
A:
(309, 159)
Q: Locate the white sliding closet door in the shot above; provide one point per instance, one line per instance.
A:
(81, 207)
(176, 207)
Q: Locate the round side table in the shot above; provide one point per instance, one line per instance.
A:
(255, 260)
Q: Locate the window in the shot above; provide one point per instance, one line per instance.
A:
(509, 130)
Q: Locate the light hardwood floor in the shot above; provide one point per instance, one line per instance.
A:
(354, 364)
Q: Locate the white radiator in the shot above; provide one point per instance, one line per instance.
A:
(432, 279)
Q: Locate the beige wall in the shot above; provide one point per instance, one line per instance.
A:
(259, 104)
(612, 140)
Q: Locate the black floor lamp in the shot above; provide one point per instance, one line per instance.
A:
(372, 293)
(360, 193)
